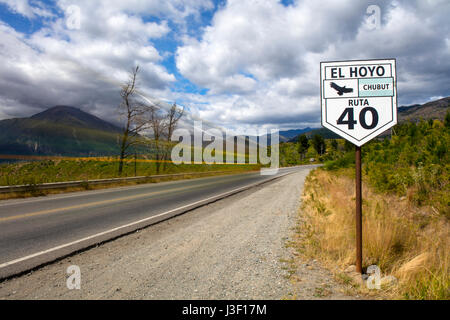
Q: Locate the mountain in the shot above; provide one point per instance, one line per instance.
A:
(436, 109)
(74, 117)
(61, 130)
(289, 134)
(324, 132)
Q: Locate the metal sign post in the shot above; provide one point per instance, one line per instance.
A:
(358, 214)
(359, 101)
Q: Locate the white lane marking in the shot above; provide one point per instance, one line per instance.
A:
(3, 265)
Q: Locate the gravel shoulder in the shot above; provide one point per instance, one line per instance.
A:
(235, 248)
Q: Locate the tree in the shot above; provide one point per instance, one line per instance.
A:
(158, 124)
(303, 145)
(132, 110)
(173, 116)
(348, 146)
(319, 144)
(162, 124)
(141, 116)
(334, 144)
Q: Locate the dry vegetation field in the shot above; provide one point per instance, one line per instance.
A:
(409, 242)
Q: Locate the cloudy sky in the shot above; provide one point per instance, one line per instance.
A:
(239, 63)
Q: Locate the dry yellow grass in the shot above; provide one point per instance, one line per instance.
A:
(405, 241)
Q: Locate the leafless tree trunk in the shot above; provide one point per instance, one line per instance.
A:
(172, 119)
(157, 121)
(132, 110)
(163, 125)
(173, 116)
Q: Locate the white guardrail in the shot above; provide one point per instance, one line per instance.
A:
(86, 183)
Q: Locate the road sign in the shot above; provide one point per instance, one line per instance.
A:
(359, 98)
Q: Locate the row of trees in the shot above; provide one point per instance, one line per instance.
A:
(317, 141)
(145, 117)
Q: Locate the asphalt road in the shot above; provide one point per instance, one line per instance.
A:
(38, 230)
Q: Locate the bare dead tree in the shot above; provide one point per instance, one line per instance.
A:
(132, 110)
(162, 124)
(173, 117)
(141, 116)
(158, 123)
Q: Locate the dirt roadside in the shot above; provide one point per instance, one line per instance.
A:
(235, 248)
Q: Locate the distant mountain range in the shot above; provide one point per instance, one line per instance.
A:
(289, 134)
(65, 130)
(436, 109)
(324, 132)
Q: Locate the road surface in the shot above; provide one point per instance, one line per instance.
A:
(237, 248)
(38, 230)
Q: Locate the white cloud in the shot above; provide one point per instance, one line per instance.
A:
(279, 48)
(81, 67)
(258, 59)
(24, 8)
(174, 10)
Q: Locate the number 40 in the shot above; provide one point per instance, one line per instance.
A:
(349, 113)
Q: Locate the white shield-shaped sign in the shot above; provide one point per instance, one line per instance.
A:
(359, 98)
